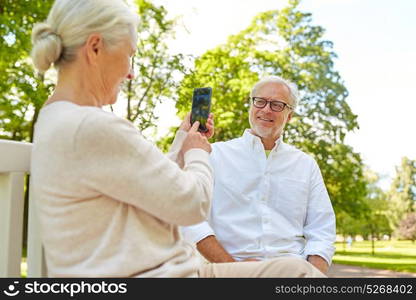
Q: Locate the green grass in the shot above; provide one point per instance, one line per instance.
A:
(389, 255)
(23, 268)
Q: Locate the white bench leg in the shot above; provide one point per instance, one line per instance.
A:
(36, 265)
(11, 223)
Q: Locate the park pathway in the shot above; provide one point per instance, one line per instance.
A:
(345, 271)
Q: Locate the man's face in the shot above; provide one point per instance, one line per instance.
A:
(265, 122)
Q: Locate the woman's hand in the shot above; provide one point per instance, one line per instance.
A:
(195, 139)
(186, 123)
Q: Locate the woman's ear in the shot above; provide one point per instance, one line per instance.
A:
(93, 47)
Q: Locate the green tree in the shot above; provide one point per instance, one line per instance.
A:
(22, 93)
(285, 43)
(156, 70)
(374, 222)
(347, 226)
(402, 193)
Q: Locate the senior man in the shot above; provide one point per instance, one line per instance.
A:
(269, 197)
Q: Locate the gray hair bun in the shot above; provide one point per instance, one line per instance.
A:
(47, 46)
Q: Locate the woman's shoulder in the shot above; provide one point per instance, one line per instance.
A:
(100, 128)
(95, 119)
(65, 114)
(69, 119)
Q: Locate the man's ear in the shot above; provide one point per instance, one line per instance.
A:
(289, 117)
(93, 47)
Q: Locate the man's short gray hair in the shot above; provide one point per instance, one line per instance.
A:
(293, 90)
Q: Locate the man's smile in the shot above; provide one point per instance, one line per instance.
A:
(265, 119)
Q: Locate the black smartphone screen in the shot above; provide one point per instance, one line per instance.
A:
(201, 106)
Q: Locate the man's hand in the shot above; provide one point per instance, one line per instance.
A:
(186, 125)
(210, 126)
(251, 259)
(213, 251)
(319, 263)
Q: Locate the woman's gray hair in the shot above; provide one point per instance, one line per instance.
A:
(293, 90)
(71, 22)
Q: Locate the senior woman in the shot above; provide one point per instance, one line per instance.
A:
(110, 202)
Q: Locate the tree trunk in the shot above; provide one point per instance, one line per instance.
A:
(372, 244)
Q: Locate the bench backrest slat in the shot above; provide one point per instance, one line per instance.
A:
(14, 165)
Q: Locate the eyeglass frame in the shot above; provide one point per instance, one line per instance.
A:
(253, 99)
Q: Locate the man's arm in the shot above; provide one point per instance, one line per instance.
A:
(319, 229)
(213, 251)
(318, 263)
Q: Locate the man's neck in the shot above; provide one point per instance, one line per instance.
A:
(268, 144)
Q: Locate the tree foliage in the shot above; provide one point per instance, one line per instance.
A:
(285, 43)
(402, 193)
(375, 220)
(156, 71)
(22, 93)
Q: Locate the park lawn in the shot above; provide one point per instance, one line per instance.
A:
(389, 255)
(23, 268)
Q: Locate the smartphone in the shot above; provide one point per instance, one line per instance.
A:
(201, 107)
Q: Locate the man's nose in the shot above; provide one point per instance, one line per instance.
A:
(267, 108)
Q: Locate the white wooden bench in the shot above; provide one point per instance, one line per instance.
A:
(14, 165)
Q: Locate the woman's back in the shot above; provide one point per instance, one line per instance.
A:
(109, 202)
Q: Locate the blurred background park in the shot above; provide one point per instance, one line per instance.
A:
(354, 63)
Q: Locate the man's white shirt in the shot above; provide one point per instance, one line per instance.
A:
(264, 207)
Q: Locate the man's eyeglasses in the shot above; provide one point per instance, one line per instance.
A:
(275, 105)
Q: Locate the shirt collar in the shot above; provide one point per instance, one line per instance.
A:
(254, 141)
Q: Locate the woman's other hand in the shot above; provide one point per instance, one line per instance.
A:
(195, 139)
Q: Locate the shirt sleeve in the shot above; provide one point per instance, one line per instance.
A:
(195, 233)
(119, 163)
(175, 149)
(319, 229)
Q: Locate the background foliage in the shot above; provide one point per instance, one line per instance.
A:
(285, 43)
